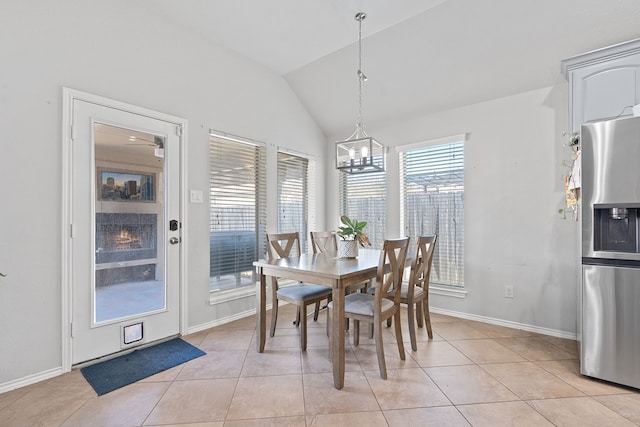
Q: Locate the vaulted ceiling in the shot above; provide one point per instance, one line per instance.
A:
(420, 56)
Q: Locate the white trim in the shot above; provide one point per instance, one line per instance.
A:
(68, 97)
(228, 319)
(219, 297)
(184, 224)
(604, 54)
(448, 291)
(505, 323)
(30, 379)
(439, 141)
(65, 291)
(221, 321)
(296, 153)
(235, 138)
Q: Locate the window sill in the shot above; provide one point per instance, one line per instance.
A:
(220, 297)
(447, 291)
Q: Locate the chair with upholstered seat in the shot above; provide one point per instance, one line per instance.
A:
(324, 241)
(284, 245)
(415, 292)
(384, 303)
(327, 241)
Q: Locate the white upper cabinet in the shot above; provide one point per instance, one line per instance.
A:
(603, 84)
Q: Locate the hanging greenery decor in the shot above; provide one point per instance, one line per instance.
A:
(572, 178)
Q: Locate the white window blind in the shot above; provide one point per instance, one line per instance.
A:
(295, 190)
(363, 197)
(237, 219)
(432, 186)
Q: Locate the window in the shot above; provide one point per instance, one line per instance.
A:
(363, 197)
(295, 191)
(237, 212)
(432, 191)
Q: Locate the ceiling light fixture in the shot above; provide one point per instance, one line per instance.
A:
(360, 153)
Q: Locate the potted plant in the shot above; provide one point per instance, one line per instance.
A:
(351, 235)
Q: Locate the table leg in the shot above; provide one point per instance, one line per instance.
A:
(261, 313)
(337, 337)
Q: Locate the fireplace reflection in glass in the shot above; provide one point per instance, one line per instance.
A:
(126, 239)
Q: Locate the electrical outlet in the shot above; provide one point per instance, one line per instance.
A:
(508, 291)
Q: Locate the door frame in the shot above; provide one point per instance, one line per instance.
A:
(68, 97)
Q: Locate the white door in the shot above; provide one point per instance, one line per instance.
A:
(125, 222)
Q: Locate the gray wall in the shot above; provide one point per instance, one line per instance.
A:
(118, 50)
(513, 189)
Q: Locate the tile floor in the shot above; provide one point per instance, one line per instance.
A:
(470, 374)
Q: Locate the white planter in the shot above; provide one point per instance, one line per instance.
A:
(347, 248)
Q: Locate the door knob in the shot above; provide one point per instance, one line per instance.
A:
(174, 240)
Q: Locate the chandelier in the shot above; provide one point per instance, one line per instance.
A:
(360, 153)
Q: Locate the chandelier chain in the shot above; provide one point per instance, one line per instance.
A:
(360, 74)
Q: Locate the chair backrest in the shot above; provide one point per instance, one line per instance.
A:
(421, 264)
(324, 241)
(283, 245)
(389, 280)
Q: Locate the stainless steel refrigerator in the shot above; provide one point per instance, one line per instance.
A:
(609, 297)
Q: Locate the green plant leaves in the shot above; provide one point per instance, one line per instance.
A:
(352, 229)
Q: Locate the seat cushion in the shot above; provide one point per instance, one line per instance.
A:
(362, 304)
(303, 292)
(417, 291)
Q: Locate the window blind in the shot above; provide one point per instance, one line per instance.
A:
(294, 192)
(363, 197)
(432, 188)
(237, 213)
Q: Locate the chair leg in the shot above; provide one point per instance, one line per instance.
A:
(274, 316)
(412, 326)
(377, 330)
(303, 326)
(356, 332)
(419, 315)
(427, 317)
(297, 321)
(328, 321)
(316, 311)
(396, 320)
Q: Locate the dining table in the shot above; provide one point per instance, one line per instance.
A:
(323, 269)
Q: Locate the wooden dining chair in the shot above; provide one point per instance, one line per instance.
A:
(324, 241)
(284, 245)
(327, 241)
(384, 303)
(415, 292)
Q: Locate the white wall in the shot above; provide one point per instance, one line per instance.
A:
(513, 189)
(118, 50)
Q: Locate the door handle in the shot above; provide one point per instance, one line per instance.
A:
(3, 275)
(174, 240)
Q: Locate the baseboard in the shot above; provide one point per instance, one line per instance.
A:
(506, 323)
(30, 379)
(223, 320)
